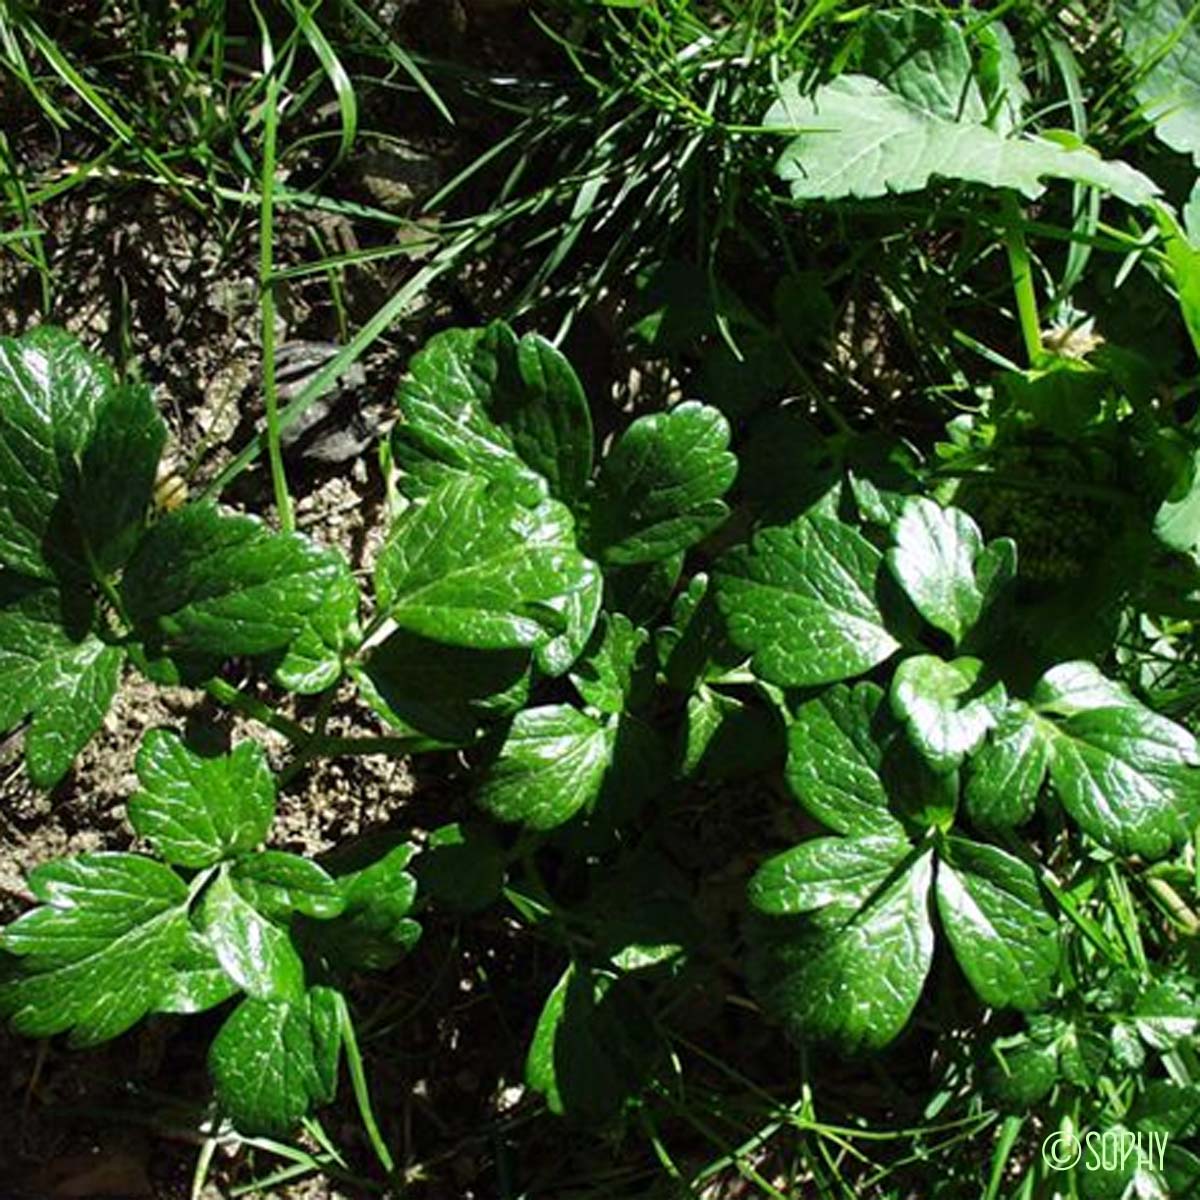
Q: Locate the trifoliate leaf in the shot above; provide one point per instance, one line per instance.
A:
(993, 913)
(835, 756)
(551, 765)
(53, 668)
(257, 954)
(78, 454)
(274, 1059)
(940, 561)
(659, 489)
(858, 138)
(851, 973)
(483, 402)
(97, 955)
(472, 566)
(1163, 43)
(204, 581)
(1128, 776)
(947, 707)
(197, 810)
(278, 884)
(801, 599)
(1008, 771)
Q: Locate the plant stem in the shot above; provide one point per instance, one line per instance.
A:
(1021, 266)
(234, 698)
(283, 500)
(358, 1079)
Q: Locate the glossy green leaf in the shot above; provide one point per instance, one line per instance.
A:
(374, 930)
(802, 599)
(1008, 771)
(257, 954)
(947, 707)
(95, 957)
(277, 884)
(993, 913)
(196, 980)
(854, 977)
(313, 661)
(659, 489)
(1163, 42)
(1128, 776)
(78, 454)
(616, 672)
(835, 758)
(483, 402)
(209, 582)
(838, 873)
(551, 765)
(197, 810)
(472, 566)
(940, 560)
(273, 1060)
(858, 138)
(53, 668)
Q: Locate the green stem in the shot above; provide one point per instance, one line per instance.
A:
(1021, 266)
(358, 1080)
(234, 698)
(283, 500)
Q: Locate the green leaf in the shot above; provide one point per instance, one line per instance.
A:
(923, 57)
(940, 561)
(801, 599)
(835, 758)
(481, 402)
(1127, 775)
(445, 692)
(78, 454)
(945, 707)
(855, 976)
(659, 489)
(313, 661)
(97, 955)
(858, 138)
(472, 566)
(273, 1059)
(592, 1048)
(1000, 77)
(196, 810)
(617, 672)
(461, 867)
(837, 873)
(208, 582)
(278, 884)
(53, 668)
(694, 647)
(256, 954)
(374, 930)
(1166, 1014)
(725, 738)
(551, 765)
(196, 981)
(992, 911)
(1162, 40)
(1008, 771)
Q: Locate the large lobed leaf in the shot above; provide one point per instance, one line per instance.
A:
(857, 138)
(1162, 40)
